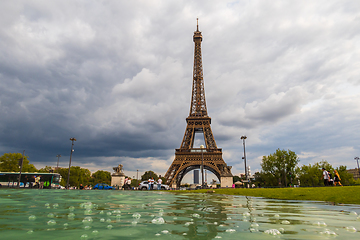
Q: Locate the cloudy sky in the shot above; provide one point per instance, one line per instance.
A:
(117, 76)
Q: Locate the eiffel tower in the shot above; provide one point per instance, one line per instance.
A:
(188, 158)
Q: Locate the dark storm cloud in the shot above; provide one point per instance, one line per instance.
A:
(117, 76)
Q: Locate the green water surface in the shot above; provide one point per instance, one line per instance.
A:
(114, 214)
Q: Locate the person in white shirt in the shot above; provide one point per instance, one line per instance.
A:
(159, 184)
(149, 184)
(325, 177)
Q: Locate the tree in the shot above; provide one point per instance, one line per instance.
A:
(46, 169)
(346, 177)
(100, 177)
(9, 162)
(236, 179)
(149, 174)
(310, 176)
(77, 176)
(276, 167)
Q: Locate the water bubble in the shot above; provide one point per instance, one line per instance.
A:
(218, 237)
(323, 224)
(108, 220)
(228, 218)
(84, 236)
(254, 225)
(47, 204)
(246, 214)
(32, 217)
(101, 212)
(286, 222)
(136, 215)
(351, 229)
(165, 231)
(157, 234)
(273, 232)
(276, 216)
(55, 205)
(66, 225)
(253, 230)
(158, 220)
(118, 217)
(353, 213)
(87, 220)
(215, 223)
(134, 223)
(230, 230)
(51, 222)
(281, 230)
(195, 215)
(102, 220)
(71, 215)
(108, 213)
(30, 232)
(328, 232)
(51, 215)
(87, 227)
(116, 212)
(174, 218)
(88, 212)
(87, 205)
(71, 208)
(109, 226)
(95, 232)
(188, 223)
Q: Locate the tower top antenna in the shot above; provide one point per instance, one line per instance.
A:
(197, 24)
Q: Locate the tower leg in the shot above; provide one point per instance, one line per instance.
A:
(226, 182)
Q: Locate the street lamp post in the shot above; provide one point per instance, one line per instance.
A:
(137, 174)
(57, 166)
(202, 166)
(357, 159)
(72, 145)
(244, 157)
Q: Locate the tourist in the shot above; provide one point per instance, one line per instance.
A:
(128, 183)
(331, 180)
(337, 178)
(159, 182)
(325, 176)
(149, 184)
(152, 183)
(81, 187)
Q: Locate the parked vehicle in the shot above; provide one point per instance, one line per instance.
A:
(145, 184)
(103, 186)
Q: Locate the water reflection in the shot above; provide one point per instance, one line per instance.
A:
(61, 214)
(207, 212)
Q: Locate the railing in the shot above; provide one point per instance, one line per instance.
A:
(198, 150)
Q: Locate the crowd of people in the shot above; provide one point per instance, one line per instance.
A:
(329, 179)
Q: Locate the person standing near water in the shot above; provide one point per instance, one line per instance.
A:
(159, 182)
(149, 184)
(325, 177)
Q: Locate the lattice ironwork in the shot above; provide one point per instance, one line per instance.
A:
(187, 157)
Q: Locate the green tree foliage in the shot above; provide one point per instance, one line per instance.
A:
(236, 179)
(46, 169)
(77, 176)
(310, 176)
(9, 162)
(346, 177)
(149, 174)
(100, 177)
(277, 166)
